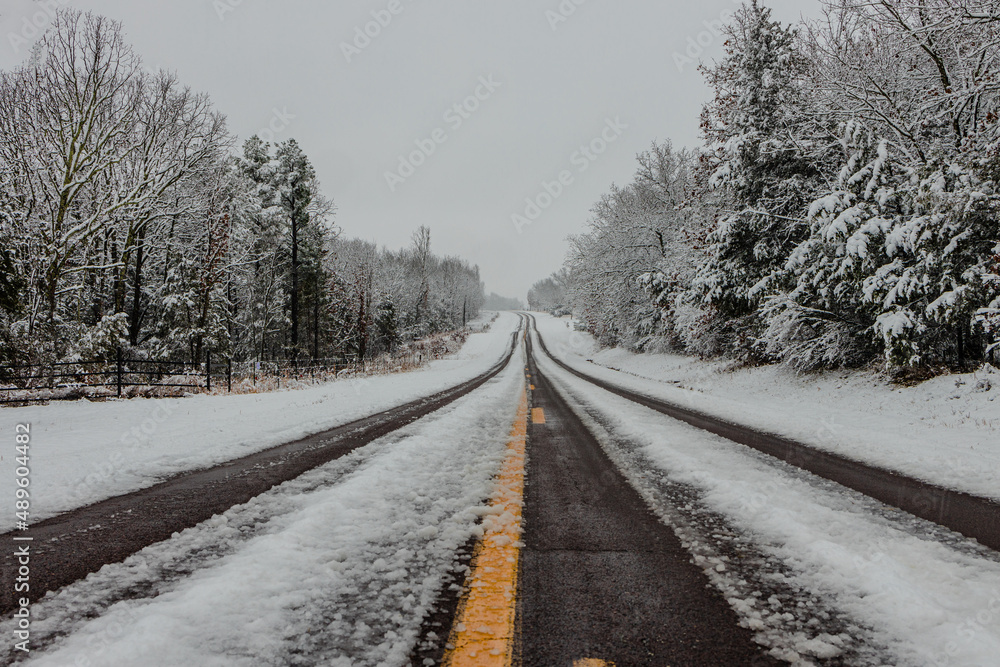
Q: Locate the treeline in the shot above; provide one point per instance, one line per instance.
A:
(127, 220)
(842, 209)
(496, 302)
(550, 294)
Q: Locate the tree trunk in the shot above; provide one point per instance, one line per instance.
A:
(961, 346)
(315, 326)
(135, 317)
(295, 286)
(362, 330)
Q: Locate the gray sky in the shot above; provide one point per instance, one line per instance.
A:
(564, 79)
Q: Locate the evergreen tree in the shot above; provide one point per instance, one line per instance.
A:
(750, 129)
(826, 318)
(296, 183)
(386, 326)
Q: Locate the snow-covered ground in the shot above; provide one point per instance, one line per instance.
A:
(336, 567)
(83, 452)
(945, 431)
(817, 570)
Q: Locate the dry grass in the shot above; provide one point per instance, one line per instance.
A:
(406, 358)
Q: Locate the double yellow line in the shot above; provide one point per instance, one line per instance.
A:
(483, 634)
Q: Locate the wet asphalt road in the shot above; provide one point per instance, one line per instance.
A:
(601, 576)
(972, 516)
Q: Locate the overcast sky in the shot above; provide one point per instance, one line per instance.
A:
(610, 75)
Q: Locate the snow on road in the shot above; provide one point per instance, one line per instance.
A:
(945, 431)
(336, 567)
(819, 571)
(83, 452)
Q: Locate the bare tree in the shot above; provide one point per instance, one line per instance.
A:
(67, 125)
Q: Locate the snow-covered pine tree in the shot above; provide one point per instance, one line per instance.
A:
(263, 315)
(826, 319)
(11, 247)
(921, 77)
(894, 262)
(296, 184)
(386, 327)
(13, 253)
(756, 157)
(194, 314)
(940, 272)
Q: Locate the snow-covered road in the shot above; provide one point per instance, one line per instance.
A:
(817, 570)
(945, 431)
(336, 567)
(83, 452)
(342, 565)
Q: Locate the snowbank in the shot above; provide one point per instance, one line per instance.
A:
(945, 431)
(840, 575)
(83, 452)
(336, 567)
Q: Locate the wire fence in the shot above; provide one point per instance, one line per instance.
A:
(123, 376)
(118, 377)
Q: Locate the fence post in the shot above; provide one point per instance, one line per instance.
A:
(229, 375)
(118, 359)
(208, 370)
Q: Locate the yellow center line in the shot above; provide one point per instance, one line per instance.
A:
(537, 416)
(592, 662)
(483, 634)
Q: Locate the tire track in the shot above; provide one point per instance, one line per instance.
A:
(70, 546)
(602, 579)
(972, 516)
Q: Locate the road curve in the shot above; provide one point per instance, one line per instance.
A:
(972, 516)
(70, 546)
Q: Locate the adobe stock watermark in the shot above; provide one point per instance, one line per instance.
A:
(454, 117)
(223, 7)
(968, 632)
(697, 44)
(562, 13)
(137, 438)
(365, 34)
(280, 120)
(33, 26)
(581, 159)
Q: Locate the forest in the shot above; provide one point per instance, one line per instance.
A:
(841, 210)
(130, 218)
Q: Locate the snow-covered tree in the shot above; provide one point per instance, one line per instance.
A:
(381, 298)
(65, 125)
(640, 252)
(826, 319)
(292, 226)
(550, 294)
(759, 157)
(899, 255)
(850, 178)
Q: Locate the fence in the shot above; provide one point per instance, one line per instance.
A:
(28, 383)
(108, 378)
